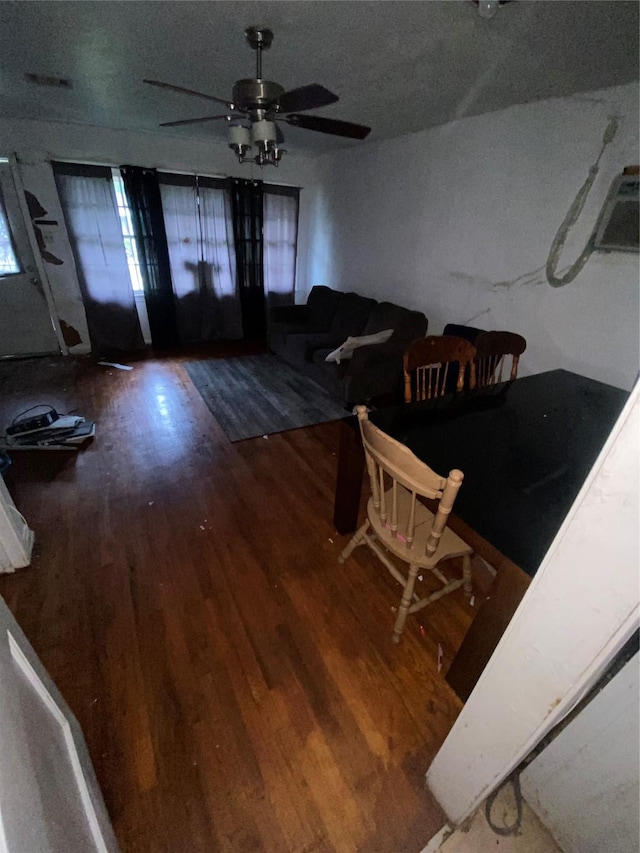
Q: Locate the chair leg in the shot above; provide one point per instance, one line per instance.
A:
(405, 603)
(466, 574)
(353, 543)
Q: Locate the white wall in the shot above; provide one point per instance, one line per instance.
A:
(585, 785)
(35, 143)
(457, 221)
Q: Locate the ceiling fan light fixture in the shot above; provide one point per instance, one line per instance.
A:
(239, 140)
(258, 103)
(263, 131)
(264, 135)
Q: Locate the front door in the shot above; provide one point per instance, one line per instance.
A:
(49, 797)
(25, 321)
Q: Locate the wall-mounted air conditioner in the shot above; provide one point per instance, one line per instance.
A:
(618, 227)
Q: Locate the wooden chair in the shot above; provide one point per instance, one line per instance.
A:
(397, 520)
(426, 366)
(492, 350)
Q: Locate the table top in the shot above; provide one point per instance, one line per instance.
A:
(525, 447)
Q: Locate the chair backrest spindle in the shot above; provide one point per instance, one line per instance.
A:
(388, 457)
(383, 494)
(449, 494)
(492, 349)
(426, 366)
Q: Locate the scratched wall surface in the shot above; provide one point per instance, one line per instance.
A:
(458, 222)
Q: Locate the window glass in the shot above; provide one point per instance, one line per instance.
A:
(9, 263)
(126, 226)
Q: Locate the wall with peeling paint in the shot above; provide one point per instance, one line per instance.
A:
(36, 143)
(458, 221)
(57, 257)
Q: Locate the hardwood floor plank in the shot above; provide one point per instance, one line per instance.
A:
(237, 686)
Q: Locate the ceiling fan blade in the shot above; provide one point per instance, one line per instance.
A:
(306, 98)
(193, 121)
(329, 125)
(184, 91)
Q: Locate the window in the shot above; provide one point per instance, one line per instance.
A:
(9, 263)
(126, 226)
(280, 241)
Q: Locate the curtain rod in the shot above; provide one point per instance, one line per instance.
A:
(172, 172)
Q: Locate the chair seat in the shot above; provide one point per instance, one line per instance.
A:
(451, 545)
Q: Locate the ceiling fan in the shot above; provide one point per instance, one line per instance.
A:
(257, 105)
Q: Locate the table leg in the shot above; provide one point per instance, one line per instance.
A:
(349, 479)
(507, 590)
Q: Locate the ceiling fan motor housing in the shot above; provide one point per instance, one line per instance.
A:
(255, 94)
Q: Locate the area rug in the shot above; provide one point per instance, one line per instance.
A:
(257, 395)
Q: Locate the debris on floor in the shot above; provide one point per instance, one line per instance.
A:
(46, 431)
(115, 364)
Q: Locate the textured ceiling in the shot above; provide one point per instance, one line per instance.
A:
(397, 66)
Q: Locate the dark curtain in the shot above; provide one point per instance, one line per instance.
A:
(199, 228)
(143, 193)
(246, 201)
(87, 197)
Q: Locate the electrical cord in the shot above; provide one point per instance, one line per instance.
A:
(31, 409)
(571, 218)
(624, 655)
(514, 829)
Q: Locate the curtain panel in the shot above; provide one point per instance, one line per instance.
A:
(199, 229)
(280, 229)
(143, 194)
(88, 202)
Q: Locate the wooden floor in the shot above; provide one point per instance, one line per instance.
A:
(236, 685)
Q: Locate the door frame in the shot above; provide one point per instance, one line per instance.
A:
(23, 821)
(581, 607)
(14, 167)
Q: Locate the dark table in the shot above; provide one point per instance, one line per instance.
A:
(525, 447)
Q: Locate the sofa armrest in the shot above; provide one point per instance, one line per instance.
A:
(297, 314)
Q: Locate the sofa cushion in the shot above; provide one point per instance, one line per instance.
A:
(407, 325)
(322, 304)
(345, 351)
(301, 347)
(351, 316)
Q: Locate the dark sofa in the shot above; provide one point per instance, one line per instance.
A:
(304, 335)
